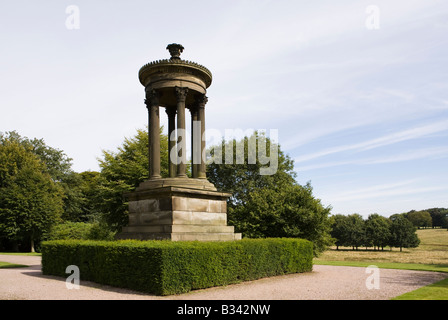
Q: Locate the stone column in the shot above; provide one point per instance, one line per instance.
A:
(181, 94)
(195, 142)
(152, 103)
(201, 117)
(171, 112)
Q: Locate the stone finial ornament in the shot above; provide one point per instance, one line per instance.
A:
(175, 50)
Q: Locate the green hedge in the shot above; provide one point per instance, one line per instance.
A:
(166, 267)
(80, 231)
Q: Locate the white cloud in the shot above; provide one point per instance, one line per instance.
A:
(391, 192)
(393, 138)
(425, 153)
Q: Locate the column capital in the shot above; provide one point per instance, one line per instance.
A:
(171, 111)
(194, 110)
(181, 93)
(152, 98)
(201, 101)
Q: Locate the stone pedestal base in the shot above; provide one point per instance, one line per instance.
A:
(178, 209)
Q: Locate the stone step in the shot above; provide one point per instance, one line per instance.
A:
(180, 236)
(179, 228)
(187, 183)
(193, 236)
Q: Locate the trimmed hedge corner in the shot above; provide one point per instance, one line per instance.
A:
(166, 267)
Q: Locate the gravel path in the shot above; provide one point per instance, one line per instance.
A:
(324, 283)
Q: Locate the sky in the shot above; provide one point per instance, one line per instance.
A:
(358, 90)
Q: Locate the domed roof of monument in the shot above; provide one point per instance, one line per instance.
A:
(175, 65)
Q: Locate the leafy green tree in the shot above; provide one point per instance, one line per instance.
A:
(240, 176)
(30, 200)
(57, 163)
(80, 231)
(420, 219)
(122, 171)
(356, 231)
(439, 217)
(81, 196)
(89, 189)
(340, 230)
(73, 197)
(284, 211)
(378, 230)
(403, 233)
(58, 166)
(272, 205)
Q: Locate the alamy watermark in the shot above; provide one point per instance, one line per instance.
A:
(373, 18)
(373, 281)
(240, 147)
(72, 281)
(72, 22)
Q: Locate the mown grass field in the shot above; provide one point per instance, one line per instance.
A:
(433, 250)
(430, 255)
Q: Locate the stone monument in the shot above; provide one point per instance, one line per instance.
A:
(177, 207)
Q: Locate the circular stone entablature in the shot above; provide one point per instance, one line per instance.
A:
(165, 75)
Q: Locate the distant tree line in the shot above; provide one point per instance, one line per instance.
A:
(429, 218)
(376, 231)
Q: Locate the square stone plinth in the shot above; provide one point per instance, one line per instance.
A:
(178, 214)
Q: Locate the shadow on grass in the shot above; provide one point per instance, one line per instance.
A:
(5, 265)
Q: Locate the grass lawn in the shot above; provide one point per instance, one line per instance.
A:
(431, 255)
(14, 265)
(21, 253)
(11, 265)
(433, 250)
(435, 291)
(388, 265)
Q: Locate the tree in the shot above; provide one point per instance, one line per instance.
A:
(284, 211)
(420, 219)
(81, 196)
(73, 197)
(356, 231)
(241, 177)
(403, 233)
(89, 190)
(30, 200)
(122, 171)
(439, 217)
(58, 166)
(272, 205)
(377, 230)
(340, 230)
(57, 163)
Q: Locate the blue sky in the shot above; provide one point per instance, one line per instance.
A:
(362, 110)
